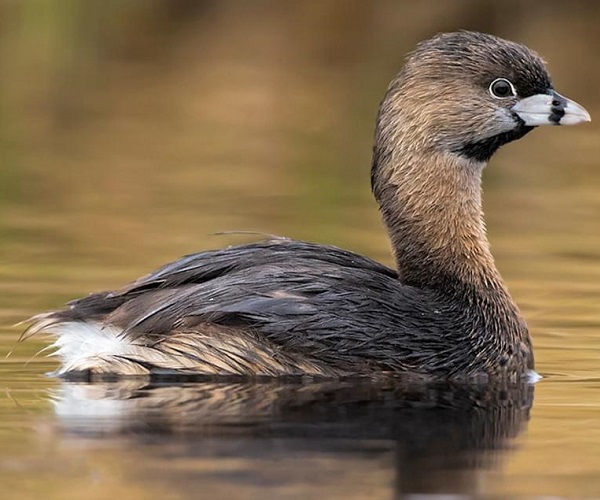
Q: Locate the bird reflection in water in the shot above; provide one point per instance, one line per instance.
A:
(438, 437)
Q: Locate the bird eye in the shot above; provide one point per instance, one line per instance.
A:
(502, 88)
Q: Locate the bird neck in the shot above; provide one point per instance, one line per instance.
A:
(431, 205)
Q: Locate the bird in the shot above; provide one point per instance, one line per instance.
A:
(283, 308)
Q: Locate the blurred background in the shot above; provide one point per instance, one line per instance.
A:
(131, 131)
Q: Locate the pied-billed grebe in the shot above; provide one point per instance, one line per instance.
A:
(283, 307)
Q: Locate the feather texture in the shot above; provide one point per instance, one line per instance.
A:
(283, 307)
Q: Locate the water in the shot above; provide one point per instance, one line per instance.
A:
(127, 144)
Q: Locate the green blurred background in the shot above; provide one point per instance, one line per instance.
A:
(132, 130)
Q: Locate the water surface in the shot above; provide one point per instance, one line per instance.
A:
(130, 136)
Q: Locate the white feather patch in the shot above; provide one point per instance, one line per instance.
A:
(77, 341)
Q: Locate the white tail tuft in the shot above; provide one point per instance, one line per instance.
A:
(78, 340)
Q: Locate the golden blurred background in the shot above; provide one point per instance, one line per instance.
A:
(136, 128)
(131, 131)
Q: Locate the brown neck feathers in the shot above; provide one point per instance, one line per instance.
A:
(431, 205)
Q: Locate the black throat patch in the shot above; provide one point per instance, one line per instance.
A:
(482, 151)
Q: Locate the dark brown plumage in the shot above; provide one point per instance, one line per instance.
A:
(284, 307)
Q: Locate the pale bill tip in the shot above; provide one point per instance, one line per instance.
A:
(542, 109)
(574, 114)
